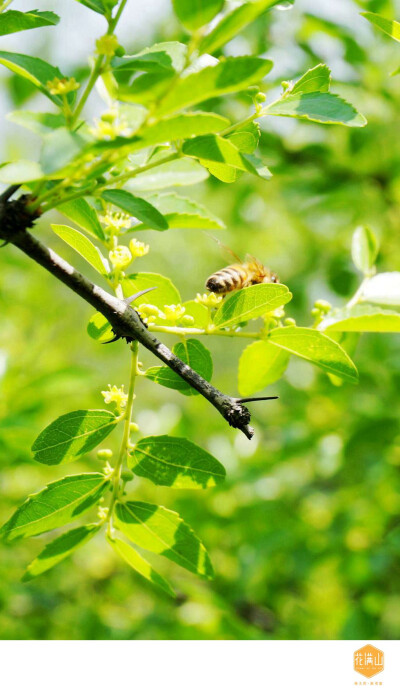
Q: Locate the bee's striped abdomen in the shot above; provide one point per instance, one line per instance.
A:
(228, 279)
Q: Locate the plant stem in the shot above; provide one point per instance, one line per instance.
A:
(174, 330)
(125, 437)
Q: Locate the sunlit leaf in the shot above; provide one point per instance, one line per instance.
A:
(260, 365)
(14, 21)
(316, 79)
(252, 302)
(38, 122)
(83, 246)
(35, 70)
(229, 75)
(60, 548)
(178, 173)
(388, 26)
(20, 171)
(162, 531)
(182, 212)
(362, 318)
(383, 289)
(72, 435)
(98, 5)
(57, 504)
(175, 462)
(323, 107)
(140, 565)
(84, 215)
(196, 13)
(59, 148)
(168, 56)
(99, 328)
(193, 353)
(364, 248)
(316, 348)
(164, 293)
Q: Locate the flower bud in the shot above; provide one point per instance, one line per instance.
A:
(120, 257)
(107, 45)
(137, 248)
(104, 454)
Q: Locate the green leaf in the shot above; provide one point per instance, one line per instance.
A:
(20, 171)
(97, 6)
(198, 312)
(72, 435)
(196, 13)
(84, 215)
(99, 328)
(229, 75)
(59, 148)
(260, 365)
(83, 247)
(36, 71)
(168, 130)
(162, 531)
(60, 548)
(138, 563)
(14, 21)
(178, 173)
(383, 289)
(364, 249)
(252, 302)
(167, 56)
(317, 79)
(316, 348)
(211, 148)
(57, 504)
(245, 141)
(322, 107)
(181, 212)
(175, 463)
(193, 353)
(137, 207)
(362, 318)
(165, 292)
(232, 23)
(388, 26)
(38, 122)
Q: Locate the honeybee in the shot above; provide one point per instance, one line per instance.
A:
(240, 275)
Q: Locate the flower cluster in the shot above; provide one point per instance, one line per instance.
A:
(137, 248)
(210, 300)
(115, 395)
(61, 86)
(115, 223)
(172, 314)
(109, 126)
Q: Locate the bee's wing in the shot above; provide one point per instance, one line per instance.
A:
(229, 253)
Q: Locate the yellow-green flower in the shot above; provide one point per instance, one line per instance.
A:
(61, 86)
(137, 248)
(211, 300)
(115, 222)
(120, 257)
(115, 395)
(107, 45)
(174, 312)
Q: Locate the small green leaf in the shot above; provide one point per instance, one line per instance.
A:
(252, 302)
(138, 563)
(137, 207)
(388, 26)
(178, 173)
(317, 79)
(364, 249)
(175, 463)
(193, 353)
(103, 8)
(84, 215)
(162, 531)
(316, 348)
(260, 365)
(182, 212)
(362, 318)
(383, 289)
(57, 504)
(198, 312)
(60, 548)
(99, 328)
(59, 148)
(14, 21)
(215, 149)
(229, 75)
(38, 122)
(245, 141)
(72, 435)
(167, 56)
(20, 171)
(322, 107)
(83, 247)
(36, 71)
(232, 23)
(196, 13)
(165, 292)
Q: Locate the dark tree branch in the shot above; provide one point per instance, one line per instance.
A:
(124, 320)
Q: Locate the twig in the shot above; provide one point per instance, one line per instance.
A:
(124, 320)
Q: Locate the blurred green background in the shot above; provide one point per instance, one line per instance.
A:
(304, 534)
